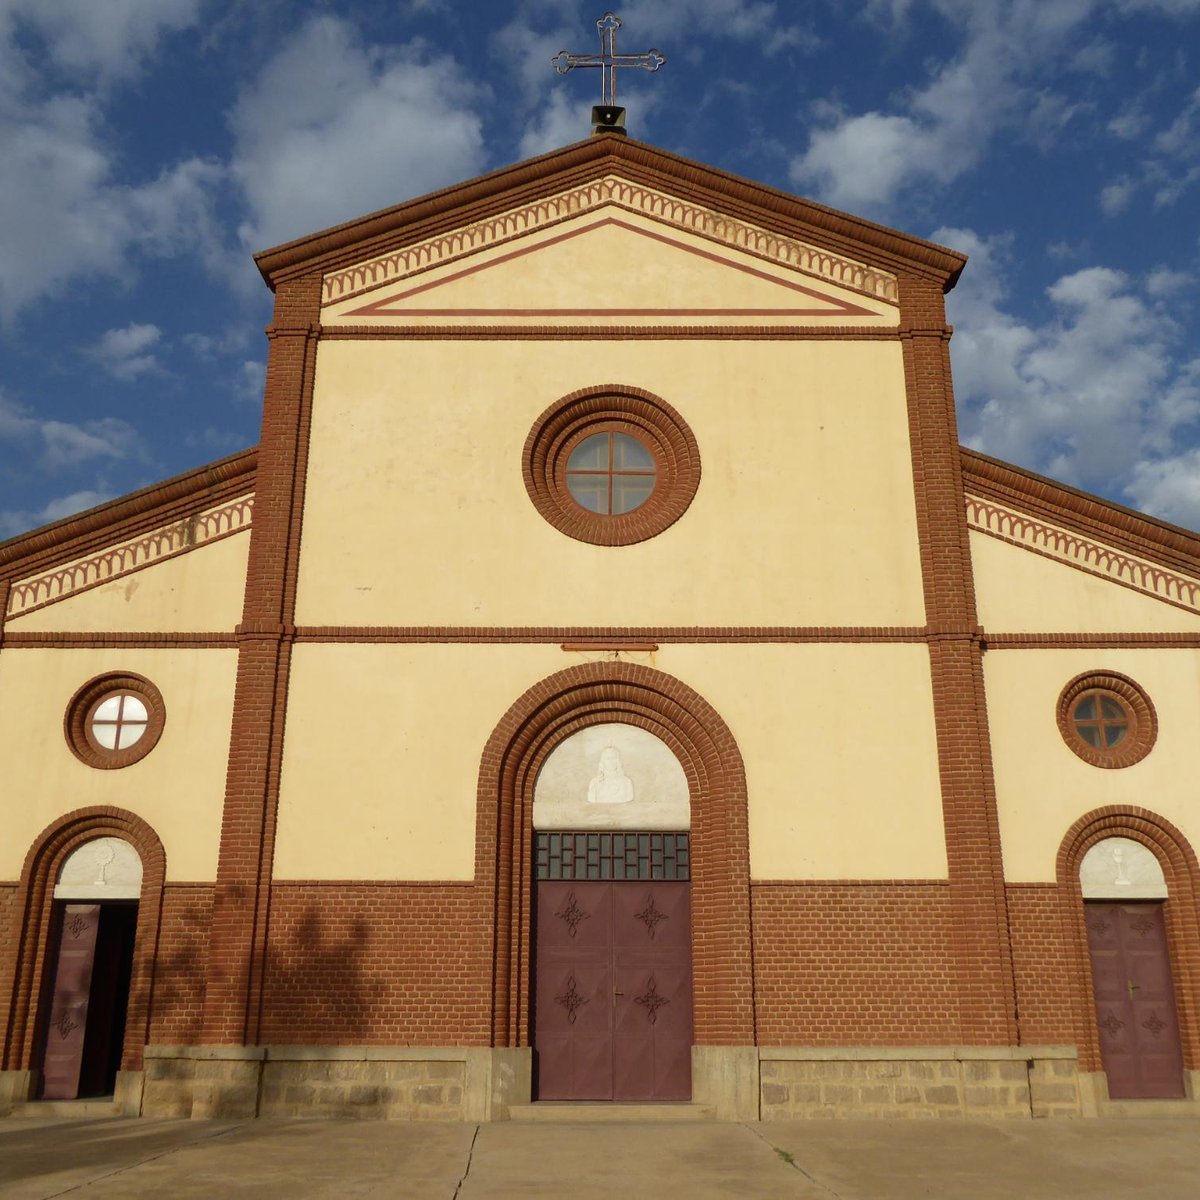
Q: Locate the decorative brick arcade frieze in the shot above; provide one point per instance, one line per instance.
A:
(610, 190)
(1082, 552)
(116, 561)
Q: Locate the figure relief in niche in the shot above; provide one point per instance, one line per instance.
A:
(611, 785)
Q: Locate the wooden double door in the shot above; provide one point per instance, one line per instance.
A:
(613, 1006)
(1135, 1000)
(85, 1031)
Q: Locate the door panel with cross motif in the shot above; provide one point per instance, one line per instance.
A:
(1135, 1000)
(613, 1010)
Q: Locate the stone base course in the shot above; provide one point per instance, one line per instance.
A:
(377, 1082)
(1017, 1081)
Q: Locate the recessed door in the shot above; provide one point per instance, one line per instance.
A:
(1135, 1000)
(613, 1009)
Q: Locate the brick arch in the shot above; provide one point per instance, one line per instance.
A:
(1182, 918)
(23, 982)
(548, 713)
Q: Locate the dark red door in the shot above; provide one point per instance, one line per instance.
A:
(78, 927)
(1135, 1000)
(613, 1010)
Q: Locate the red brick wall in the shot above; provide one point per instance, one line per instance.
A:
(856, 963)
(177, 1006)
(386, 964)
(1043, 963)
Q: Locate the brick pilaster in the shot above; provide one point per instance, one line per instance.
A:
(978, 909)
(241, 901)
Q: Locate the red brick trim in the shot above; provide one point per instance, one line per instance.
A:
(1143, 720)
(128, 517)
(241, 897)
(610, 333)
(1091, 641)
(605, 408)
(1182, 873)
(979, 913)
(118, 641)
(547, 713)
(597, 638)
(378, 234)
(23, 969)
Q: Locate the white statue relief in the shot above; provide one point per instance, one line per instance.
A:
(611, 785)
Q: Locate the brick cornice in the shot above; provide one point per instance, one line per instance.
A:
(1123, 528)
(476, 199)
(129, 516)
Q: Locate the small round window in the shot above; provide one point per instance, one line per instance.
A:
(610, 473)
(611, 465)
(114, 720)
(1107, 719)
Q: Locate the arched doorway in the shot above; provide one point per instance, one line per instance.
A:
(1127, 887)
(1124, 890)
(612, 917)
(29, 965)
(90, 967)
(549, 713)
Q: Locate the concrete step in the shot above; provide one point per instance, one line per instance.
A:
(575, 1112)
(68, 1109)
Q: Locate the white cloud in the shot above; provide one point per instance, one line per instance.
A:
(61, 445)
(332, 129)
(865, 161)
(110, 38)
(1097, 395)
(65, 213)
(15, 521)
(123, 353)
(1115, 197)
(1165, 281)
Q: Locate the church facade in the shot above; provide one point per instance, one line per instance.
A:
(608, 679)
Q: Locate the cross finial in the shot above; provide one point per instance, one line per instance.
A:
(608, 60)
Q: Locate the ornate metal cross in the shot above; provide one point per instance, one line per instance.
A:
(608, 60)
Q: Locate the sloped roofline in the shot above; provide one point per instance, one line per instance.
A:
(1121, 527)
(379, 232)
(127, 516)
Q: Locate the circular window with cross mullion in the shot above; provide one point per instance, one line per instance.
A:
(1107, 719)
(114, 720)
(611, 465)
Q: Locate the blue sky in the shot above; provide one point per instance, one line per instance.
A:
(149, 147)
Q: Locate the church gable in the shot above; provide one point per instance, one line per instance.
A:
(611, 250)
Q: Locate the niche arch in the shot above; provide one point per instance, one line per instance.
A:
(547, 714)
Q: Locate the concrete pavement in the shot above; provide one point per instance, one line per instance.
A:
(112, 1159)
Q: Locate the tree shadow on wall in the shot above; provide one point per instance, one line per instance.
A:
(318, 987)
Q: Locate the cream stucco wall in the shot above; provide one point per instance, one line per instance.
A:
(1019, 591)
(417, 514)
(381, 756)
(199, 591)
(1043, 788)
(178, 789)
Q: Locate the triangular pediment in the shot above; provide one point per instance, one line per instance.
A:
(610, 251)
(611, 265)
